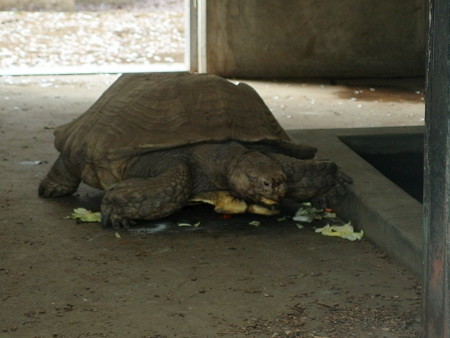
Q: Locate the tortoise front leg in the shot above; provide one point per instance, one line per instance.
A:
(318, 181)
(146, 198)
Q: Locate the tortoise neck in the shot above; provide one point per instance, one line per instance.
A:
(218, 159)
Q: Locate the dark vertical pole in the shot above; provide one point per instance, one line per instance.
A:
(191, 9)
(437, 175)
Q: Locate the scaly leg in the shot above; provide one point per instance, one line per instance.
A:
(318, 181)
(146, 198)
(59, 181)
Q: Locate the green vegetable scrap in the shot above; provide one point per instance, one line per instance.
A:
(307, 213)
(255, 223)
(85, 215)
(331, 215)
(344, 231)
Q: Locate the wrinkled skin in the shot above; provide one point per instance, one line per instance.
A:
(160, 183)
(258, 178)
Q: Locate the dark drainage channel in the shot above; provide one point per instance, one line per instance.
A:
(398, 157)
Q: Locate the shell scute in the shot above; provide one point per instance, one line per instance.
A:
(146, 112)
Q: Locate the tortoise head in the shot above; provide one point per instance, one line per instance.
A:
(257, 178)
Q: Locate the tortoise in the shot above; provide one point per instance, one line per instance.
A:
(157, 142)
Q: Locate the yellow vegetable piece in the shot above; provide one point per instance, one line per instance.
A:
(85, 215)
(344, 231)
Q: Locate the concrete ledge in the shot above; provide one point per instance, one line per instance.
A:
(389, 216)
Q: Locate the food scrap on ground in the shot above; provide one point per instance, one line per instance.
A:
(84, 215)
(32, 162)
(255, 223)
(185, 224)
(344, 231)
(307, 213)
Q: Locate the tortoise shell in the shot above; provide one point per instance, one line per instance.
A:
(140, 113)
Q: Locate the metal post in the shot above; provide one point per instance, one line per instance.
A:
(197, 35)
(191, 10)
(436, 318)
(202, 36)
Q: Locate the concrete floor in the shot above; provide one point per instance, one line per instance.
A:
(345, 103)
(224, 278)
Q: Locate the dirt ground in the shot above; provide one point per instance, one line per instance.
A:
(222, 278)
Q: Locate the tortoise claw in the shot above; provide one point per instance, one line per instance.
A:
(116, 224)
(113, 220)
(50, 188)
(124, 223)
(106, 217)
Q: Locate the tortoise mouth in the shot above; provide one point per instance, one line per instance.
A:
(267, 201)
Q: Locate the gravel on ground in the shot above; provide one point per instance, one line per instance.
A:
(149, 33)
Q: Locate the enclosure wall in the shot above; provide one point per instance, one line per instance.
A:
(316, 38)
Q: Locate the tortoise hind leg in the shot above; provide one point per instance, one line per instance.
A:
(146, 198)
(59, 181)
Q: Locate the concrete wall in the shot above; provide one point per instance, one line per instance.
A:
(316, 38)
